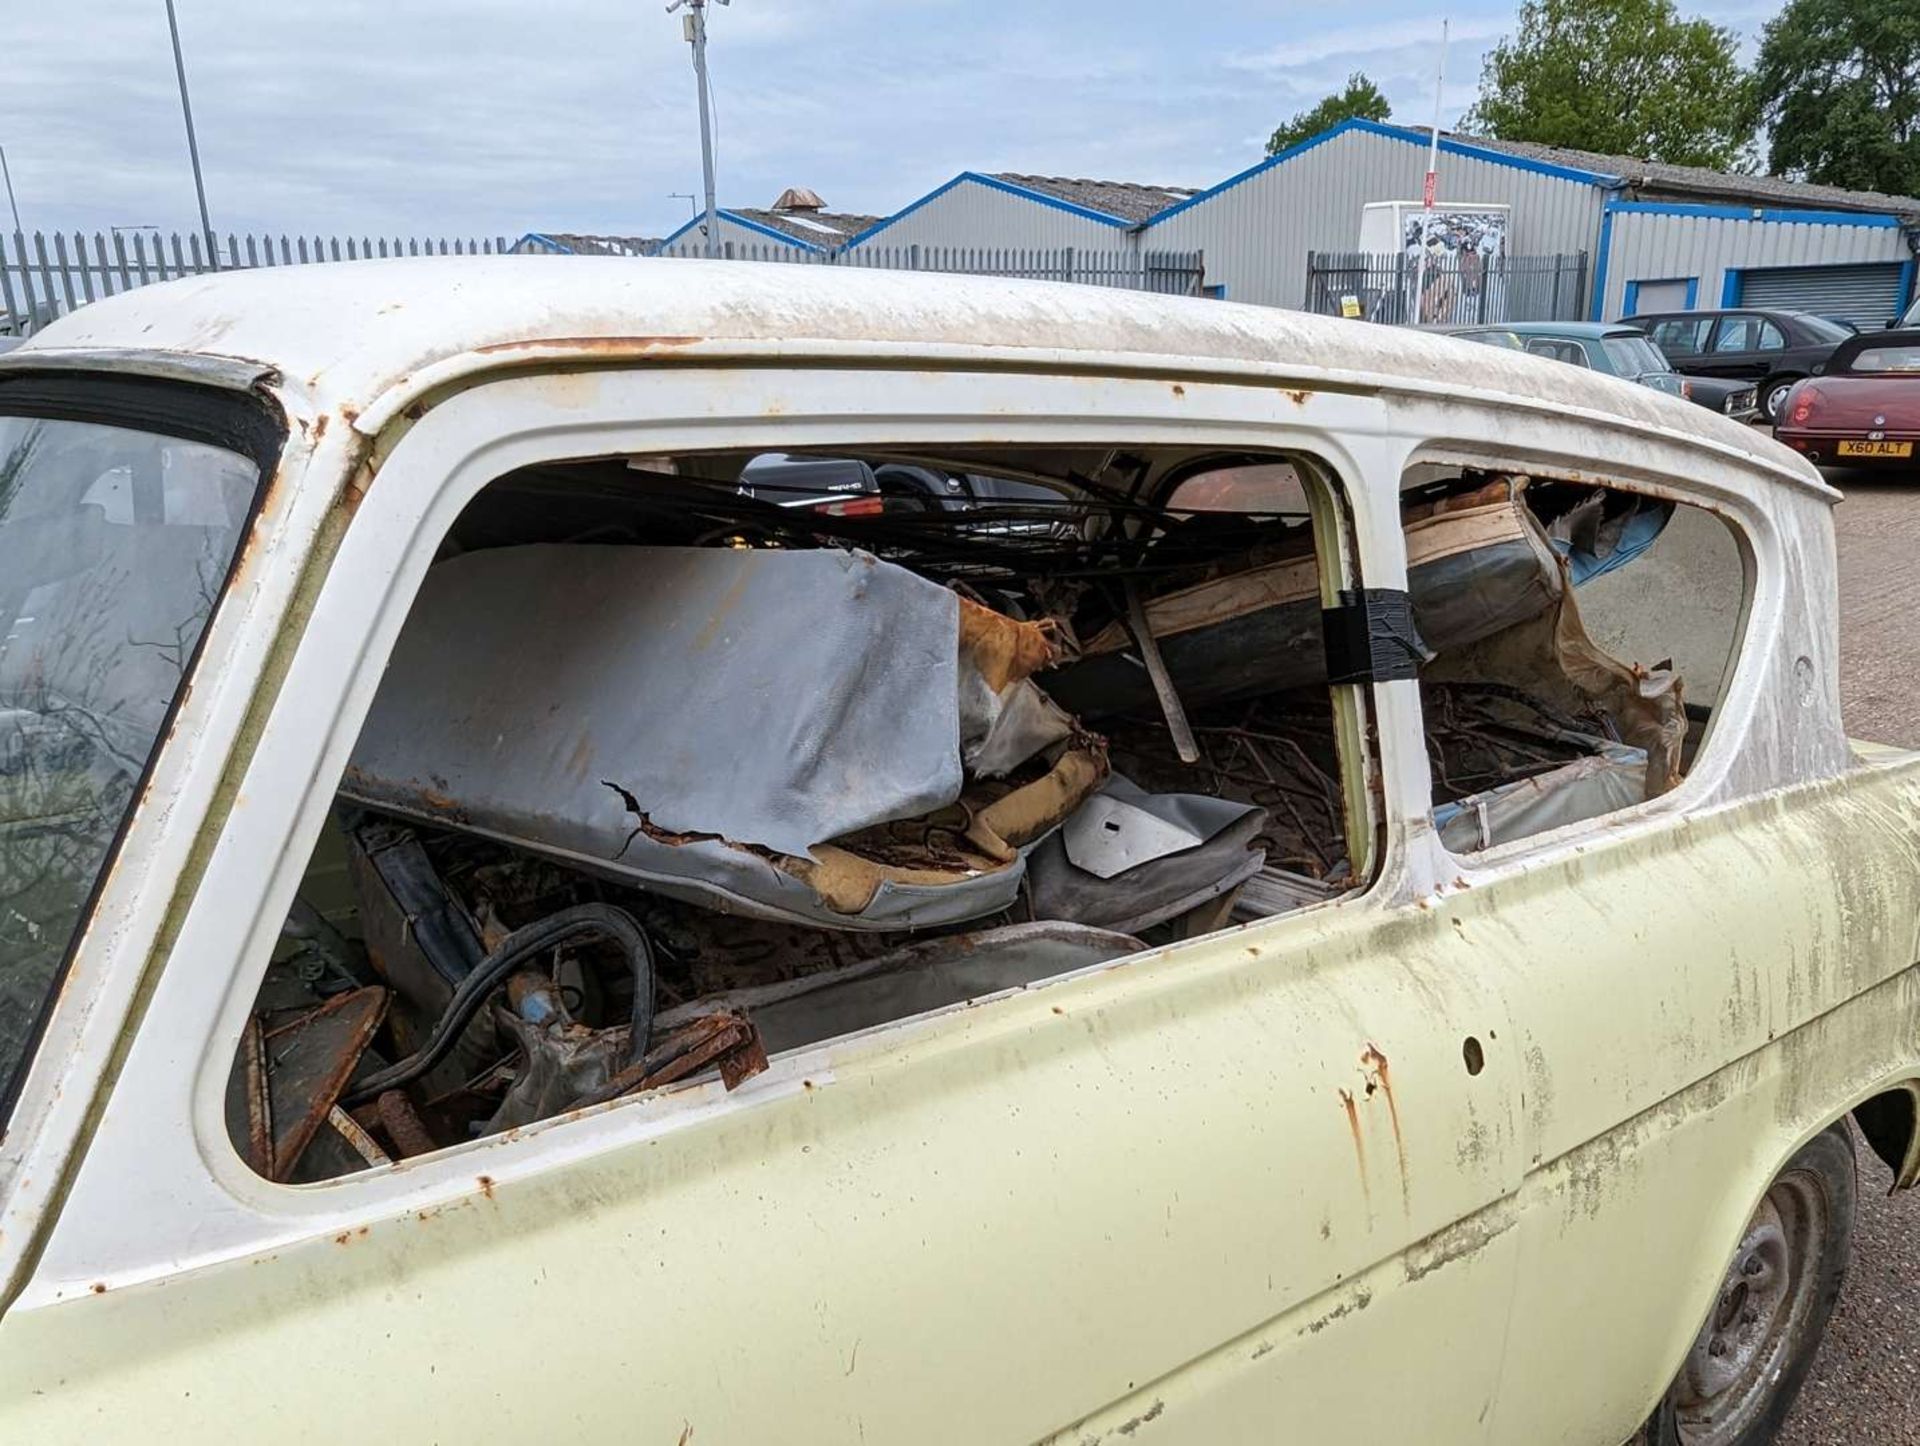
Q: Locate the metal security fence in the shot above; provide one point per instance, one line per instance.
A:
(43, 277)
(1166, 273)
(1460, 289)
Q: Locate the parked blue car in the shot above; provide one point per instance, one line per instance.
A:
(1620, 351)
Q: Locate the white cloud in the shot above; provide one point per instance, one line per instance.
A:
(1359, 42)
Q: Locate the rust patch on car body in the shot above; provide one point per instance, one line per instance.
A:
(1352, 1108)
(1375, 1064)
(1353, 1305)
(403, 1124)
(1152, 1413)
(1461, 1240)
(725, 1039)
(619, 346)
(307, 1063)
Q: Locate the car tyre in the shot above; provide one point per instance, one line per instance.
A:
(1773, 396)
(1746, 1365)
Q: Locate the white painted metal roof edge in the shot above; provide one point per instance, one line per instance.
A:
(366, 338)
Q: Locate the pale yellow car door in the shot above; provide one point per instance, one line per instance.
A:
(1256, 1186)
(1218, 1192)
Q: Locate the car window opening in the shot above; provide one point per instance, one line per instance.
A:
(680, 762)
(1580, 634)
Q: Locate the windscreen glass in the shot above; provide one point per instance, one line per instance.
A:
(114, 544)
(1887, 359)
(1634, 356)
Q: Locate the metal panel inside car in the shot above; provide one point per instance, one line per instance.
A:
(708, 721)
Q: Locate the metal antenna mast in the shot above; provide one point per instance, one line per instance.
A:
(693, 26)
(1431, 187)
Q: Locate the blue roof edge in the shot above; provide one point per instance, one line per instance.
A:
(1782, 215)
(1398, 133)
(781, 236)
(993, 183)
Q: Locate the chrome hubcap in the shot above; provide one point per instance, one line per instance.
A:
(1764, 1304)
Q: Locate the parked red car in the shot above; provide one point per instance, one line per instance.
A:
(1863, 406)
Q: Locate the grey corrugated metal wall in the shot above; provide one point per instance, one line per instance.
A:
(1651, 245)
(1257, 232)
(970, 214)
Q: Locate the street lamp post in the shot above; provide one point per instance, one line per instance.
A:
(193, 147)
(694, 27)
(12, 205)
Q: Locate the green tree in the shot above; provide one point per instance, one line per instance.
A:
(1623, 77)
(1361, 98)
(1838, 84)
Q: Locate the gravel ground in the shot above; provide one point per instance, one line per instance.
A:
(1865, 1386)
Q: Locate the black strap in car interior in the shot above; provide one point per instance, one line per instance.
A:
(1370, 637)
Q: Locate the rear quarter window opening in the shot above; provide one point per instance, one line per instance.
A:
(1582, 636)
(682, 762)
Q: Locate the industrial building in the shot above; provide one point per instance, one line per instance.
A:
(1008, 210)
(1647, 236)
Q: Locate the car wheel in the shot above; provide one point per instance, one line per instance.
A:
(1747, 1363)
(1773, 396)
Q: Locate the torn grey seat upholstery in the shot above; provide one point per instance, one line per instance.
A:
(772, 732)
(1614, 777)
(1128, 859)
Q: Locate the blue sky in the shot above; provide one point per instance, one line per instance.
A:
(494, 117)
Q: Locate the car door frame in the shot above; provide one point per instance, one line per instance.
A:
(1751, 364)
(1690, 363)
(1578, 344)
(1408, 1215)
(81, 1049)
(1685, 1031)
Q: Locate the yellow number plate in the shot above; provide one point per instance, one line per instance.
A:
(1875, 449)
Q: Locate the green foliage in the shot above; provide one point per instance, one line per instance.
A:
(1838, 84)
(1622, 77)
(1361, 98)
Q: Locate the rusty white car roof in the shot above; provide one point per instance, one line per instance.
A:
(365, 338)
